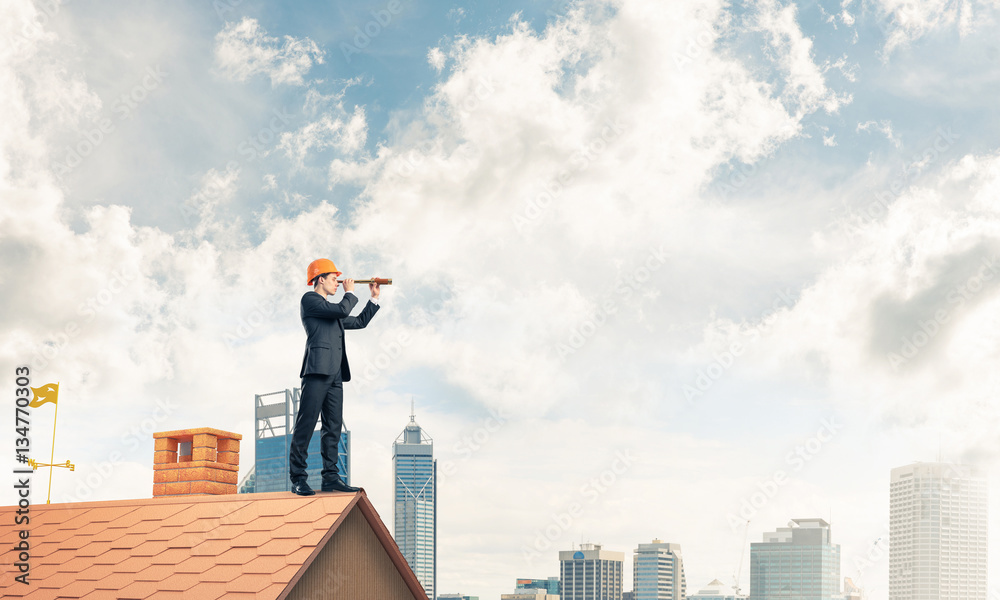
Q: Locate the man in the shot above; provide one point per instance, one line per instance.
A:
(324, 369)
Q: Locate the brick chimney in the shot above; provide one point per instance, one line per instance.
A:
(197, 461)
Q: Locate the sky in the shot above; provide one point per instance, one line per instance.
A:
(659, 269)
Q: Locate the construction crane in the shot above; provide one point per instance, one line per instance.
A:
(861, 573)
(743, 553)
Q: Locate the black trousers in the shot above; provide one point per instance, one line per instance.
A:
(321, 396)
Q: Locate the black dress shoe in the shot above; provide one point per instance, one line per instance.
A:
(338, 485)
(302, 488)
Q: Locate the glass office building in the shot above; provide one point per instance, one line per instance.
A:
(799, 562)
(938, 525)
(591, 573)
(550, 585)
(658, 572)
(274, 419)
(415, 510)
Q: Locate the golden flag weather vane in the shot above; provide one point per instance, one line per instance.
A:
(43, 395)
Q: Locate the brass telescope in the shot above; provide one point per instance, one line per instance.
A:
(378, 280)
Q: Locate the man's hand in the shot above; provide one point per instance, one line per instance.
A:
(348, 285)
(374, 288)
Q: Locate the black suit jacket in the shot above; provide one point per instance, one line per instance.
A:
(325, 323)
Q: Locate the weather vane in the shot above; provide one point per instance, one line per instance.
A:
(43, 395)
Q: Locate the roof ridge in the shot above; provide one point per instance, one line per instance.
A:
(188, 499)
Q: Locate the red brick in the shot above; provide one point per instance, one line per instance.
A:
(204, 440)
(229, 445)
(229, 458)
(180, 487)
(230, 477)
(169, 444)
(164, 457)
(185, 458)
(222, 488)
(195, 474)
(203, 454)
(200, 487)
(165, 476)
(159, 489)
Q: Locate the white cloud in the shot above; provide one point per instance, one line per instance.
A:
(436, 58)
(805, 86)
(904, 21)
(244, 49)
(884, 127)
(346, 135)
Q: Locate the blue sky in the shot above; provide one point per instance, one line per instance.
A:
(695, 232)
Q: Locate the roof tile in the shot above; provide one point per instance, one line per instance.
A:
(263, 565)
(194, 564)
(112, 557)
(106, 514)
(282, 547)
(75, 589)
(137, 589)
(45, 555)
(272, 591)
(115, 581)
(95, 572)
(211, 548)
(170, 556)
(165, 533)
(313, 538)
(153, 573)
(179, 582)
(249, 583)
(299, 556)
(94, 549)
(285, 574)
(236, 556)
(307, 513)
(133, 564)
(150, 549)
(108, 535)
(251, 539)
(264, 524)
(292, 530)
(207, 590)
(222, 573)
(224, 532)
(181, 517)
(74, 565)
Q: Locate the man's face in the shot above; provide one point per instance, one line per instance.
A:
(329, 283)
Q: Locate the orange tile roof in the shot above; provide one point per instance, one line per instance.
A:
(206, 547)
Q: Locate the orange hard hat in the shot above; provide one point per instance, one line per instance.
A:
(319, 267)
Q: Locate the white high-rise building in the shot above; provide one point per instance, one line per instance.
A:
(937, 533)
(415, 481)
(590, 573)
(658, 572)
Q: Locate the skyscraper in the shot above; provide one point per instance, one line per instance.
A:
(415, 510)
(590, 573)
(799, 562)
(937, 533)
(658, 572)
